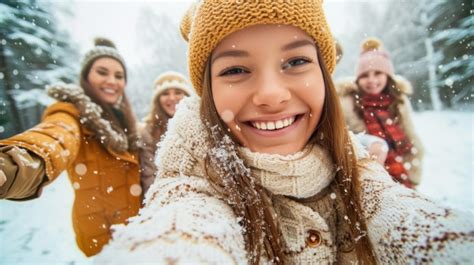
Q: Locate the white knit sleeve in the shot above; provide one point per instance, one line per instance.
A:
(407, 228)
(181, 223)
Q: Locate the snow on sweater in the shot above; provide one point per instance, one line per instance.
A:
(185, 221)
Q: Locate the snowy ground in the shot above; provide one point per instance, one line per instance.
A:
(40, 231)
(448, 174)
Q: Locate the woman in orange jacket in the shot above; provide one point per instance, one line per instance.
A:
(91, 133)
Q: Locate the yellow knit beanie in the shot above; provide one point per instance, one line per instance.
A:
(207, 22)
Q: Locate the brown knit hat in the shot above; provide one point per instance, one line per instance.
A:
(207, 22)
(102, 48)
(374, 57)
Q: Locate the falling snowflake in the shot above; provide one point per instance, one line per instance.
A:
(407, 165)
(65, 153)
(449, 82)
(80, 169)
(227, 115)
(135, 190)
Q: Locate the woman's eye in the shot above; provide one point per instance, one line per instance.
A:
(363, 76)
(119, 77)
(102, 73)
(296, 62)
(233, 71)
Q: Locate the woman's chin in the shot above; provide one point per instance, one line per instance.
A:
(111, 100)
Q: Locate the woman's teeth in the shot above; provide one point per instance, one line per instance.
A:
(109, 91)
(273, 125)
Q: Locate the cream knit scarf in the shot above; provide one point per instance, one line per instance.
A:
(300, 175)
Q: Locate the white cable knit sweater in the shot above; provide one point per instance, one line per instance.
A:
(185, 222)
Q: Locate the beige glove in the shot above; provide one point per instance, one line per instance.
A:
(22, 173)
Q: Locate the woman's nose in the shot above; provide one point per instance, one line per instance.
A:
(173, 97)
(270, 91)
(111, 80)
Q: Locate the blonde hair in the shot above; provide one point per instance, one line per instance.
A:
(157, 119)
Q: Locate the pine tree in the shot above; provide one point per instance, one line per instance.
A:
(33, 51)
(451, 26)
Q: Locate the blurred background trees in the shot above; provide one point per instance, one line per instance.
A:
(33, 53)
(431, 44)
(162, 49)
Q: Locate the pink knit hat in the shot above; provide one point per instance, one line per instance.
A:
(373, 57)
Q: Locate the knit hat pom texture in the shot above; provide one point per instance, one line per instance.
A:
(371, 44)
(207, 22)
(172, 79)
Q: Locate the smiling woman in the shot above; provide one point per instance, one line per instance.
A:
(376, 101)
(90, 133)
(275, 91)
(262, 169)
(106, 77)
(170, 88)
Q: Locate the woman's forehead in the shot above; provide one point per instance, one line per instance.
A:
(108, 63)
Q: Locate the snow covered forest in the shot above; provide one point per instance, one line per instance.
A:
(431, 46)
(431, 43)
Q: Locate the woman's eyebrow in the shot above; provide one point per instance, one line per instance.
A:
(102, 68)
(297, 44)
(230, 53)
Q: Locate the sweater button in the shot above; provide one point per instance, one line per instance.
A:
(314, 238)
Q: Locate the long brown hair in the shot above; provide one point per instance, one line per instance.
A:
(122, 118)
(157, 119)
(258, 218)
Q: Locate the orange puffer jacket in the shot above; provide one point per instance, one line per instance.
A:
(106, 183)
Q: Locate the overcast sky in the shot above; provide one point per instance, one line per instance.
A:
(117, 19)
